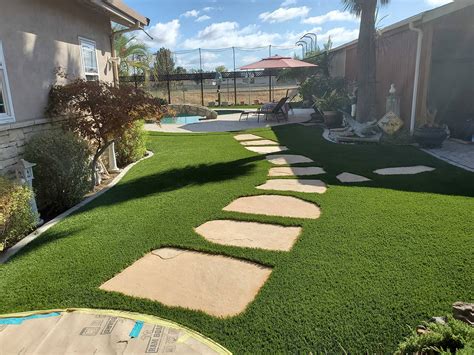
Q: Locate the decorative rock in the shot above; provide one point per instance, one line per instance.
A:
(274, 205)
(246, 137)
(310, 186)
(249, 234)
(302, 171)
(215, 284)
(197, 110)
(409, 170)
(259, 143)
(288, 159)
(267, 150)
(438, 320)
(349, 178)
(464, 312)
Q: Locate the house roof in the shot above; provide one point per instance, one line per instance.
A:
(421, 18)
(119, 12)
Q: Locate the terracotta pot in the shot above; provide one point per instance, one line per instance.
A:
(332, 119)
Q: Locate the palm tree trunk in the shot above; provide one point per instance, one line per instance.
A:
(366, 53)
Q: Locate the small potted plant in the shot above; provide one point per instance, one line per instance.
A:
(431, 134)
(329, 104)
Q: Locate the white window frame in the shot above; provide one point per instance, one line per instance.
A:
(9, 116)
(93, 43)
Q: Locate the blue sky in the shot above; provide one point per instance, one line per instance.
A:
(190, 24)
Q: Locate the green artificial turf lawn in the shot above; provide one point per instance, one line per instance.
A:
(384, 256)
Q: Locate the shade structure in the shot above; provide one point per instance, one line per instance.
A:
(278, 62)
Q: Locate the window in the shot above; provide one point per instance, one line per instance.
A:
(90, 67)
(6, 107)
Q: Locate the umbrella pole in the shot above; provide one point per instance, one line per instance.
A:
(270, 87)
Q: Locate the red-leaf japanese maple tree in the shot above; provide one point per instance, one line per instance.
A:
(100, 112)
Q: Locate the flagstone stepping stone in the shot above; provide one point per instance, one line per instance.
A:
(310, 186)
(275, 205)
(407, 170)
(267, 150)
(217, 285)
(259, 142)
(250, 234)
(349, 178)
(288, 159)
(291, 171)
(246, 137)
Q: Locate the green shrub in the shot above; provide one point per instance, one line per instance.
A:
(132, 145)
(16, 217)
(319, 85)
(62, 173)
(453, 337)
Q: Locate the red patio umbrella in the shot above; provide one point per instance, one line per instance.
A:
(277, 62)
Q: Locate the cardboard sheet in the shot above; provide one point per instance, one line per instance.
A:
(86, 332)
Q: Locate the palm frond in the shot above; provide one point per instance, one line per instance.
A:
(355, 6)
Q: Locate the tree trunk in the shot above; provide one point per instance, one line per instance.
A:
(95, 159)
(367, 65)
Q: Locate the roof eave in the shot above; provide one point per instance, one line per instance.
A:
(121, 13)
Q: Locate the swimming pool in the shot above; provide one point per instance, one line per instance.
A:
(181, 119)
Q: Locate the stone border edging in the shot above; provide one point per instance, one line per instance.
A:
(10, 252)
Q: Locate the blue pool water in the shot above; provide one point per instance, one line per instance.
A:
(181, 120)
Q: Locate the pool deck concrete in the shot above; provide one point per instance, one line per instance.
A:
(230, 123)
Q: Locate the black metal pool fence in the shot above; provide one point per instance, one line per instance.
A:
(222, 83)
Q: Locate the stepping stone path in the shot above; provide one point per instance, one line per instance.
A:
(250, 234)
(215, 284)
(408, 170)
(350, 178)
(275, 205)
(267, 150)
(289, 171)
(246, 137)
(288, 159)
(309, 186)
(259, 142)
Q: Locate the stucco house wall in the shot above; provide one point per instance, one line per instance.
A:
(37, 37)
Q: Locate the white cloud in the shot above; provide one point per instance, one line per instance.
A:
(208, 8)
(437, 2)
(331, 16)
(288, 3)
(164, 34)
(203, 18)
(285, 14)
(191, 61)
(227, 34)
(339, 35)
(191, 13)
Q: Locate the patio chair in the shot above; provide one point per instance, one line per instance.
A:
(277, 111)
(291, 94)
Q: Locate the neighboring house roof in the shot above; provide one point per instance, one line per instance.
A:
(119, 12)
(422, 17)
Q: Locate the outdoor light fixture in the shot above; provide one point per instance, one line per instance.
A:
(312, 40)
(304, 47)
(315, 39)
